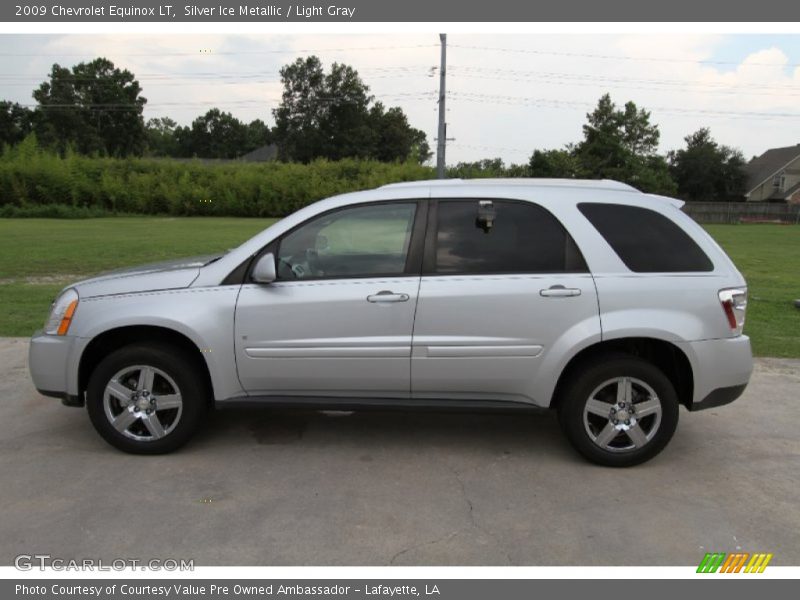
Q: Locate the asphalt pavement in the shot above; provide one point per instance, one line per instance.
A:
(266, 487)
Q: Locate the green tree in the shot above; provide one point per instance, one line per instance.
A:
(332, 116)
(258, 134)
(393, 138)
(161, 140)
(487, 167)
(94, 106)
(299, 118)
(622, 144)
(618, 144)
(346, 127)
(16, 122)
(707, 171)
(216, 134)
(555, 163)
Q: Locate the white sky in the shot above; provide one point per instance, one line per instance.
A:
(509, 94)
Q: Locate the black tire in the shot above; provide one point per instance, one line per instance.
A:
(179, 424)
(582, 429)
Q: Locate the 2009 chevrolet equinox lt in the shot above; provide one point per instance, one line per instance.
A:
(589, 297)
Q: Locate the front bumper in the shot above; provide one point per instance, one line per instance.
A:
(721, 368)
(50, 360)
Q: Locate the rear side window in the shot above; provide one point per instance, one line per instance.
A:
(520, 238)
(646, 241)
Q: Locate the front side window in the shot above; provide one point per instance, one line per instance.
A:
(488, 237)
(363, 241)
(646, 241)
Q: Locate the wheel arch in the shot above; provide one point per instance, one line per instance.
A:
(112, 339)
(665, 355)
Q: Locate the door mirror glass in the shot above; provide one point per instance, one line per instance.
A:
(264, 271)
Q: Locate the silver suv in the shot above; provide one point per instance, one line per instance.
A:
(588, 297)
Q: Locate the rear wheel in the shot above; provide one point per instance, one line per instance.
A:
(619, 411)
(146, 399)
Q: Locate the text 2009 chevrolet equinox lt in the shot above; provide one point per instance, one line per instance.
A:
(589, 297)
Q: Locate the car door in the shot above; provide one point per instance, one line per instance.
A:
(503, 285)
(338, 319)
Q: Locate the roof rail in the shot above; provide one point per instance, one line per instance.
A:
(600, 184)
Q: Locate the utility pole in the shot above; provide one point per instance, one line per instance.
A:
(442, 139)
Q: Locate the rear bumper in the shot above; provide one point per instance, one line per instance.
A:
(719, 397)
(721, 368)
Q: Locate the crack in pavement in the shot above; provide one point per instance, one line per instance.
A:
(444, 538)
(474, 522)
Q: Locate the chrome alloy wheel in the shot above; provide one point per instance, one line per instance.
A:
(143, 403)
(622, 414)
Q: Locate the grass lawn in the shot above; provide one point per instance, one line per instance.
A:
(38, 257)
(769, 258)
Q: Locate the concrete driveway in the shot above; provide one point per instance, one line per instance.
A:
(279, 488)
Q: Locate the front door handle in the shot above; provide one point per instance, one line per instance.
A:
(387, 296)
(559, 291)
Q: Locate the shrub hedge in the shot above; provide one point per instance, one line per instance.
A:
(72, 185)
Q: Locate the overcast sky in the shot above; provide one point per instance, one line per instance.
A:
(509, 94)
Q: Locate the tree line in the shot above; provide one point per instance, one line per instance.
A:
(96, 108)
(621, 143)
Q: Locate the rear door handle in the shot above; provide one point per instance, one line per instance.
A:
(559, 291)
(385, 296)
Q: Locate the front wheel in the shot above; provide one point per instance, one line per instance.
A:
(618, 411)
(146, 399)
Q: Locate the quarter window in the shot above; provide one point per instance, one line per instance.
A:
(363, 241)
(485, 237)
(646, 241)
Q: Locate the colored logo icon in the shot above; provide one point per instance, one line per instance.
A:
(737, 562)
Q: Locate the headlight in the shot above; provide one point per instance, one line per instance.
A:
(61, 313)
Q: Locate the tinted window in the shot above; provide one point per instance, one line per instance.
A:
(523, 238)
(646, 241)
(363, 241)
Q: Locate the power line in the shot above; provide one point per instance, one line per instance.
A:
(235, 53)
(330, 100)
(523, 75)
(189, 81)
(215, 75)
(470, 72)
(621, 84)
(492, 148)
(622, 57)
(550, 103)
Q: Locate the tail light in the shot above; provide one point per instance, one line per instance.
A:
(734, 304)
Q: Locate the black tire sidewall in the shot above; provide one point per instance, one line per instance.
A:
(172, 361)
(583, 382)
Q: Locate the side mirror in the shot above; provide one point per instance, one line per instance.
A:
(264, 271)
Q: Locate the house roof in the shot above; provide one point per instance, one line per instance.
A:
(763, 167)
(262, 154)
